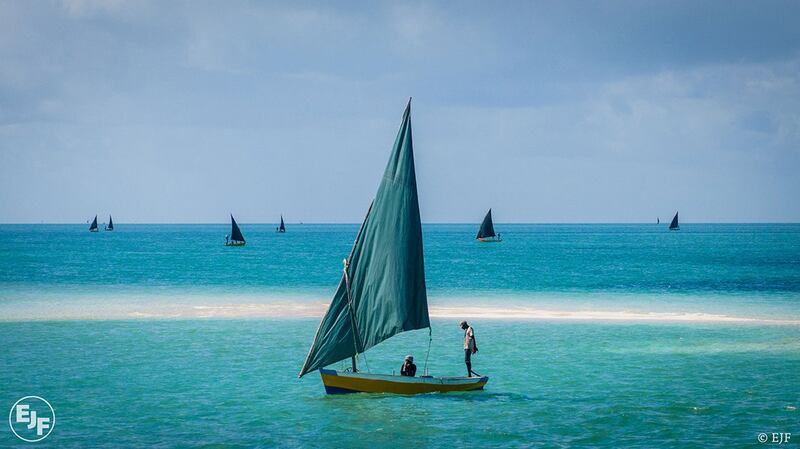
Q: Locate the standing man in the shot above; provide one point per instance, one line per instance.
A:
(469, 347)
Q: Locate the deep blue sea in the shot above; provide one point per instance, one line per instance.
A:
(605, 336)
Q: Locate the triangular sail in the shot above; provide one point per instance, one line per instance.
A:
(93, 226)
(282, 227)
(674, 224)
(386, 269)
(487, 227)
(110, 226)
(236, 233)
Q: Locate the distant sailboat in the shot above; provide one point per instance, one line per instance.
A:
(486, 232)
(110, 226)
(236, 237)
(93, 226)
(382, 291)
(674, 225)
(658, 220)
(282, 227)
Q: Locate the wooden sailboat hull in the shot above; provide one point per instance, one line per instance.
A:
(339, 382)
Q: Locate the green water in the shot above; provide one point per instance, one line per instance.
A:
(232, 384)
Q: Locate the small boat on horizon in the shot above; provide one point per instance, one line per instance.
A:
(110, 225)
(486, 232)
(674, 225)
(282, 227)
(236, 238)
(382, 290)
(93, 226)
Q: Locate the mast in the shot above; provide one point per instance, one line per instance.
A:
(352, 318)
(346, 278)
(353, 324)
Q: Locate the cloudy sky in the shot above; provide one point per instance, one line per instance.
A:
(557, 111)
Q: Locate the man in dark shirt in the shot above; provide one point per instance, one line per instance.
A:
(408, 368)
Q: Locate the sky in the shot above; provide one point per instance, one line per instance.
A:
(616, 111)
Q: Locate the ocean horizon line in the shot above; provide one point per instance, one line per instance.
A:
(510, 223)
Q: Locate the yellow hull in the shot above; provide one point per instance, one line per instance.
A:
(235, 244)
(346, 382)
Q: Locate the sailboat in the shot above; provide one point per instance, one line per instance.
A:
(236, 239)
(110, 226)
(282, 227)
(486, 232)
(382, 291)
(658, 220)
(93, 226)
(674, 225)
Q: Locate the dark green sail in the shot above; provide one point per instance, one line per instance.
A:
(385, 270)
(282, 228)
(674, 225)
(93, 226)
(487, 227)
(110, 226)
(236, 233)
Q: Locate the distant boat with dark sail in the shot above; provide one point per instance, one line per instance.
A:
(486, 232)
(236, 238)
(382, 291)
(674, 225)
(110, 225)
(93, 226)
(282, 227)
(658, 220)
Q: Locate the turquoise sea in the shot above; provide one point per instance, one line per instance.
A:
(610, 336)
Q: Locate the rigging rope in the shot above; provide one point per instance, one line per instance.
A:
(366, 363)
(430, 339)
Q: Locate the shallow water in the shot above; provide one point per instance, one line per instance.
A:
(232, 383)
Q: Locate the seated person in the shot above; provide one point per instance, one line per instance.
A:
(408, 368)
